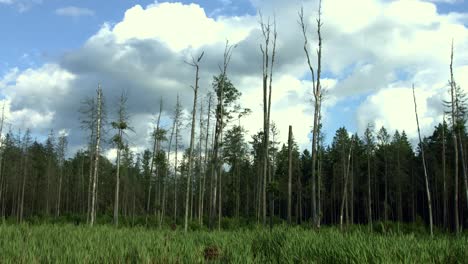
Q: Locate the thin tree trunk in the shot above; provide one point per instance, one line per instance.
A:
(205, 161)
(444, 176)
(455, 141)
(218, 133)
(117, 182)
(345, 189)
(428, 193)
(96, 160)
(369, 197)
(289, 173)
(192, 139)
(175, 169)
(317, 98)
(59, 190)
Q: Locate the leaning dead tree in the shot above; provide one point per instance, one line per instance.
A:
(195, 63)
(428, 192)
(267, 66)
(96, 156)
(317, 91)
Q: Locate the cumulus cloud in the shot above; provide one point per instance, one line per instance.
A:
(74, 11)
(375, 49)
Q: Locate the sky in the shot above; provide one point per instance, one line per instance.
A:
(55, 52)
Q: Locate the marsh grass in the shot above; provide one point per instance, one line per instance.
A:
(106, 244)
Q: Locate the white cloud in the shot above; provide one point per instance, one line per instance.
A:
(74, 11)
(179, 26)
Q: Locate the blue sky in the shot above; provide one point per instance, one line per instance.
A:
(38, 34)
(370, 59)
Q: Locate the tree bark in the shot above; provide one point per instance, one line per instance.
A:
(117, 183)
(428, 193)
(455, 141)
(317, 99)
(289, 173)
(192, 138)
(96, 159)
(345, 188)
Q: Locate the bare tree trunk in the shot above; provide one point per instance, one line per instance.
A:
(175, 168)
(148, 201)
(289, 173)
(167, 172)
(444, 178)
(117, 183)
(205, 172)
(267, 90)
(455, 141)
(317, 98)
(96, 159)
(345, 189)
(369, 197)
(201, 167)
(386, 187)
(194, 63)
(428, 193)
(59, 191)
(90, 179)
(158, 175)
(220, 202)
(25, 164)
(218, 133)
(1, 155)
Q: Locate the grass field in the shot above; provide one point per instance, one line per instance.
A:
(106, 244)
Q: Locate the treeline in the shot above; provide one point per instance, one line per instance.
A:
(37, 180)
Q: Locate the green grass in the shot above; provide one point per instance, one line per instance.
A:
(106, 244)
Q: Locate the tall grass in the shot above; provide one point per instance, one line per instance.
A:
(106, 244)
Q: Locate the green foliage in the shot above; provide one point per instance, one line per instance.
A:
(106, 244)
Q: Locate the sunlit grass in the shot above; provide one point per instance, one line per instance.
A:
(106, 244)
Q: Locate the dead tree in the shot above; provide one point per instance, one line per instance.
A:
(156, 145)
(267, 65)
(177, 124)
(61, 149)
(345, 188)
(455, 141)
(317, 90)
(289, 173)
(96, 155)
(205, 165)
(120, 125)
(2, 120)
(167, 173)
(444, 175)
(196, 64)
(428, 193)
